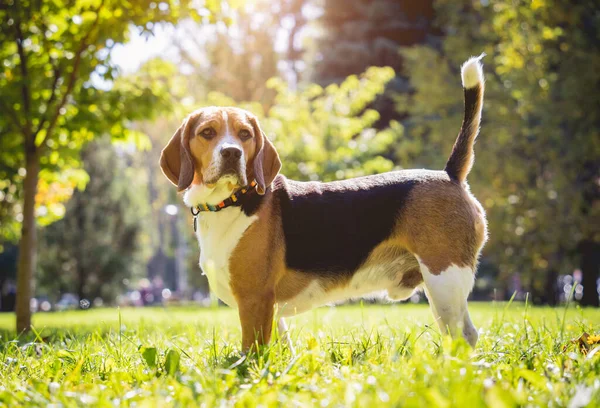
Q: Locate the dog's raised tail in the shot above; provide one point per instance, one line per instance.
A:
(461, 159)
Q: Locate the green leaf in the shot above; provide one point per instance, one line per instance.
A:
(149, 354)
(134, 138)
(535, 379)
(172, 362)
(496, 397)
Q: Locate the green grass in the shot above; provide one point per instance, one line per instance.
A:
(346, 356)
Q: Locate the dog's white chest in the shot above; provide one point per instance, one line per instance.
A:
(218, 234)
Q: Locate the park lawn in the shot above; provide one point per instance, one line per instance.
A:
(361, 356)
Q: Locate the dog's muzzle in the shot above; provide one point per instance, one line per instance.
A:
(231, 160)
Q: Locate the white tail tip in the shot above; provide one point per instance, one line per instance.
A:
(472, 72)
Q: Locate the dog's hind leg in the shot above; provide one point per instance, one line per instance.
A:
(447, 293)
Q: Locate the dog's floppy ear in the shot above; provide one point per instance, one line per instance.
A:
(266, 161)
(176, 159)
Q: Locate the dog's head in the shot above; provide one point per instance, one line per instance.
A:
(220, 147)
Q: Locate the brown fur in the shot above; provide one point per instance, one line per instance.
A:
(291, 283)
(188, 156)
(266, 164)
(394, 254)
(461, 159)
(254, 268)
(176, 159)
(412, 278)
(443, 224)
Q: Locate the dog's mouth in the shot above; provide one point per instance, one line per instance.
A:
(232, 178)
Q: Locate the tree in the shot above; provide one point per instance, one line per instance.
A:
(97, 243)
(538, 152)
(363, 33)
(293, 11)
(167, 233)
(235, 59)
(56, 94)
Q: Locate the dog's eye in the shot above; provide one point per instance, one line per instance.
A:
(208, 133)
(245, 134)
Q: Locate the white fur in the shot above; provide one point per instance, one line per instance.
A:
(371, 282)
(284, 333)
(218, 234)
(472, 72)
(201, 194)
(447, 294)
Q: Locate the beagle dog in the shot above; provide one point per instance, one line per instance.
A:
(268, 241)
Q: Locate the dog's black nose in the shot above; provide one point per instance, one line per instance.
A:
(231, 153)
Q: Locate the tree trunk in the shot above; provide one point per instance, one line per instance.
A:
(590, 266)
(551, 287)
(2, 301)
(79, 251)
(81, 278)
(28, 243)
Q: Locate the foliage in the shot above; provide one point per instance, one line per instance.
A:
(537, 162)
(349, 356)
(10, 194)
(98, 242)
(60, 89)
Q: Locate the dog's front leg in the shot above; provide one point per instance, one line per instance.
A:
(256, 317)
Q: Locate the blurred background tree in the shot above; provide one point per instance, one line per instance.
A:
(237, 59)
(100, 241)
(362, 33)
(343, 88)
